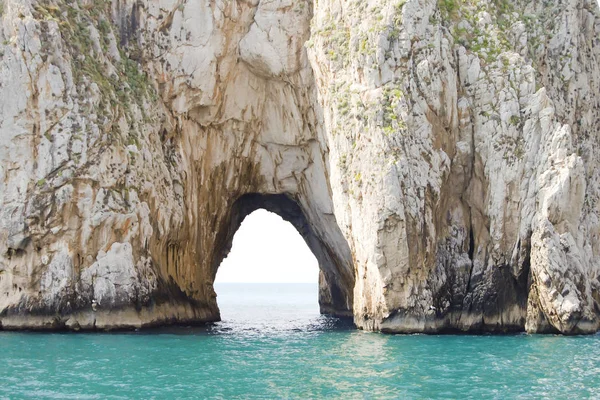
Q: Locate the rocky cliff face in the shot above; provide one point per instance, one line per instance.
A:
(438, 157)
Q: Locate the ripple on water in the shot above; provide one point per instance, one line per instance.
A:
(333, 363)
(294, 353)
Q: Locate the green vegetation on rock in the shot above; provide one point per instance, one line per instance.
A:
(127, 84)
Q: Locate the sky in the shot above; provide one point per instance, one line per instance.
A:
(267, 249)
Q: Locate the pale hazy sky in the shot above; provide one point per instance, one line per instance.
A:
(268, 249)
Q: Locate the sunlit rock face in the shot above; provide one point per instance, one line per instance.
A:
(439, 158)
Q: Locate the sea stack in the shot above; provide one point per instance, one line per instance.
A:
(441, 158)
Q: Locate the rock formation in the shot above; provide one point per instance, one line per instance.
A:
(438, 157)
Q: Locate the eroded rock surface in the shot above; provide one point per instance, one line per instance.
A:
(438, 157)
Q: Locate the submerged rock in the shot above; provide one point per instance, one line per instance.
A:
(439, 158)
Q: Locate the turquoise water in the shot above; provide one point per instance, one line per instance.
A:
(273, 344)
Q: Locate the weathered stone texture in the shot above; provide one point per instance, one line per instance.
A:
(438, 157)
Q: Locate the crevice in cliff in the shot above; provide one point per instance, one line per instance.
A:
(471, 253)
(471, 250)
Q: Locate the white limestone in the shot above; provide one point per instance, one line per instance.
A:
(440, 162)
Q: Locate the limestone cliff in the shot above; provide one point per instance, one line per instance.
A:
(438, 157)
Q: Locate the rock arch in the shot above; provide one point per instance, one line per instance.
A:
(336, 278)
(237, 126)
(455, 200)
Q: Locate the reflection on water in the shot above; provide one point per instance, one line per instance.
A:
(273, 344)
(272, 309)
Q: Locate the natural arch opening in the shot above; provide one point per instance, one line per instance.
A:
(269, 280)
(335, 275)
(267, 249)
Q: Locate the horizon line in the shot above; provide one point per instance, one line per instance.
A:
(276, 283)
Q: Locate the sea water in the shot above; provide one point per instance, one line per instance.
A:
(272, 343)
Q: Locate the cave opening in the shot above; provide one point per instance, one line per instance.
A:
(273, 266)
(267, 249)
(269, 276)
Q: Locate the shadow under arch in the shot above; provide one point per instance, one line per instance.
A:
(336, 277)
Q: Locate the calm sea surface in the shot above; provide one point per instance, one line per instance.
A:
(273, 344)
